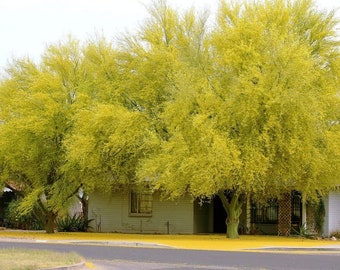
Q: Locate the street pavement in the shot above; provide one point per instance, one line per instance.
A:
(103, 255)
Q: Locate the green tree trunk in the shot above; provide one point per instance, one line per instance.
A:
(232, 222)
(234, 210)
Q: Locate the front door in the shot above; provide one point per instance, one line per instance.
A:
(220, 216)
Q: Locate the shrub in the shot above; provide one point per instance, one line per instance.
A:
(75, 223)
(320, 216)
(15, 219)
(336, 234)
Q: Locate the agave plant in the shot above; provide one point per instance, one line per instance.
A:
(75, 223)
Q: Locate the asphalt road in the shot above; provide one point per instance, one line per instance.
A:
(113, 257)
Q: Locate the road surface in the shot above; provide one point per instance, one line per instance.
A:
(115, 257)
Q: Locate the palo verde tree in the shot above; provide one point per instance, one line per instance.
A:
(37, 104)
(51, 113)
(262, 117)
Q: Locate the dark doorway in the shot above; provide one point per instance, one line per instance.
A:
(220, 216)
(5, 199)
(296, 211)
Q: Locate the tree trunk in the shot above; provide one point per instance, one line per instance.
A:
(232, 222)
(234, 210)
(48, 217)
(85, 206)
(50, 222)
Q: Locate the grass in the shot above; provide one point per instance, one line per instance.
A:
(203, 242)
(20, 259)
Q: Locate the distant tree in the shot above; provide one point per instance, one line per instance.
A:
(260, 115)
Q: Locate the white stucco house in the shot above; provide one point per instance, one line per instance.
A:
(132, 212)
(332, 216)
(146, 213)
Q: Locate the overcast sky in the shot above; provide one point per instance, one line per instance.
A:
(28, 26)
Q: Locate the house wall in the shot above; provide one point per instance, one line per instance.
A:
(203, 220)
(266, 229)
(111, 214)
(332, 209)
(244, 225)
(326, 224)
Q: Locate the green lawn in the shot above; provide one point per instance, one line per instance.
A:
(24, 259)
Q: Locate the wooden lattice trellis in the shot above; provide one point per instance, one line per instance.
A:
(285, 218)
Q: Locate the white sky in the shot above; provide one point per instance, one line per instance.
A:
(28, 26)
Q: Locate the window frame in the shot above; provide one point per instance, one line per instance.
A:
(137, 195)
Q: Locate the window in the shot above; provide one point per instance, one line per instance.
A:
(140, 203)
(267, 213)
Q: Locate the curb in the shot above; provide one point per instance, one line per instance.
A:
(118, 243)
(78, 266)
(315, 249)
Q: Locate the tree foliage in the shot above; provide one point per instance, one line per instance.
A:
(36, 116)
(262, 119)
(45, 137)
